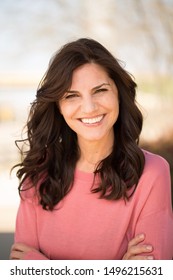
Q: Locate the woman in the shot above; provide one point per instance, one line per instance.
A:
(87, 189)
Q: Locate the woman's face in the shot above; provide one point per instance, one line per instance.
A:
(91, 107)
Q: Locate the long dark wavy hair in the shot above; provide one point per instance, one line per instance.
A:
(53, 151)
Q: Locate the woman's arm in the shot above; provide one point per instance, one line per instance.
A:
(20, 251)
(26, 237)
(155, 212)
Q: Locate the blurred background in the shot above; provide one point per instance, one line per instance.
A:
(138, 32)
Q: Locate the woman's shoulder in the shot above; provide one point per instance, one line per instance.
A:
(29, 191)
(154, 187)
(156, 173)
(155, 163)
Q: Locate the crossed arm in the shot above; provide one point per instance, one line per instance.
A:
(134, 250)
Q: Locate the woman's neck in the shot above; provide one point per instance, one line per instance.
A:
(92, 153)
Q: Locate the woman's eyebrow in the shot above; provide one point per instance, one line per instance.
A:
(99, 86)
(71, 91)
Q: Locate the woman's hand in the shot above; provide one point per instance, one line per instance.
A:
(18, 251)
(135, 249)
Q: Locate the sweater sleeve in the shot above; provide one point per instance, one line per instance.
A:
(155, 218)
(26, 227)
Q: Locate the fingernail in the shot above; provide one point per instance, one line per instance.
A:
(150, 258)
(149, 247)
(141, 236)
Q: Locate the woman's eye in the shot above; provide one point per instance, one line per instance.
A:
(69, 96)
(101, 90)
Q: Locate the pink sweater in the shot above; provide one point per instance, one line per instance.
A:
(85, 227)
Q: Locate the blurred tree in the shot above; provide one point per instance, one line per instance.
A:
(156, 25)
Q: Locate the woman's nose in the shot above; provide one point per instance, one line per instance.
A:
(88, 105)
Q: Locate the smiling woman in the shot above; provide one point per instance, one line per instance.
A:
(93, 105)
(84, 181)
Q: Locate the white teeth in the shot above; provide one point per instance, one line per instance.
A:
(93, 120)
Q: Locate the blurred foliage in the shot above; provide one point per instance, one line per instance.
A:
(158, 84)
(164, 148)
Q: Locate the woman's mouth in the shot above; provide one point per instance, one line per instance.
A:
(94, 120)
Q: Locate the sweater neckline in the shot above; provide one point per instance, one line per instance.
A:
(85, 176)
